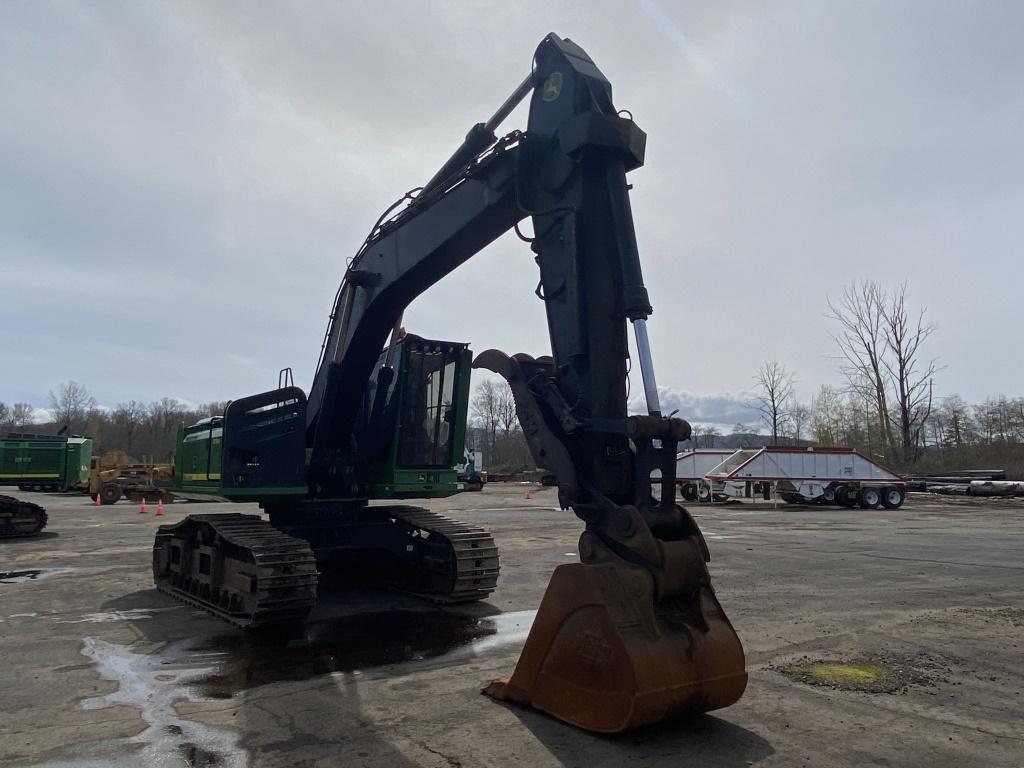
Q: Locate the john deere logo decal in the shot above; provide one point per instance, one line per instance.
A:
(552, 87)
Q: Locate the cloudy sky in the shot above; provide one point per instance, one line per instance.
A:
(181, 183)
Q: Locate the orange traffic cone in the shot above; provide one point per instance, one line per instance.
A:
(98, 502)
(160, 507)
(142, 506)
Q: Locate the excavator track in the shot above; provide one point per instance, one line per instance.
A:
(237, 567)
(470, 570)
(20, 518)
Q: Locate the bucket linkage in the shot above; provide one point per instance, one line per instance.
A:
(633, 634)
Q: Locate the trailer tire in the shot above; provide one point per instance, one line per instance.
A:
(893, 497)
(869, 498)
(703, 493)
(792, 498)
(110, 493)
(689, 491)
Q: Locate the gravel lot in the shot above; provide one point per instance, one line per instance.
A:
(99, 669)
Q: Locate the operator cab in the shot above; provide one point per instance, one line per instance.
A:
(425, 411)
(427, 415)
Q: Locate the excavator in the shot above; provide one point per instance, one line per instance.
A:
(630, 635)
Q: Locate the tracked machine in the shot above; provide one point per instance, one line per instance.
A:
(630, 635)
(20, 518)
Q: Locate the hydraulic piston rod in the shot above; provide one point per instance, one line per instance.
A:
(479, 138)
(643, 349)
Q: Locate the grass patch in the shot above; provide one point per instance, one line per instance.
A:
(840, 675)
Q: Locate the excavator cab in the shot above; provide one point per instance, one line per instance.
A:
(418, 431)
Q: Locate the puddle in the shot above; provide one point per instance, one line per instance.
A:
(18, 577)
(167, 740)
(221, 666)
(353, 643)
(716, 536)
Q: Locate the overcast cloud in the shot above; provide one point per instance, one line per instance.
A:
(180, 184)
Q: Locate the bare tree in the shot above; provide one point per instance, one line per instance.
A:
(216, 408)
(162, 418)
(827, 413)
(775, 386)
(21, 415)
(860, 313)
(71, 404)
(799, 420)
(507, 417)
(958, 421)
(15, 416)
(911, 374)
(486, 409)
(129, 417)
(705, 436)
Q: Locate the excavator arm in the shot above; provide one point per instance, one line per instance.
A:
(634, 632)
(568, 173)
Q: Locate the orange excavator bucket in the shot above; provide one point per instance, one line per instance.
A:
(616, 647)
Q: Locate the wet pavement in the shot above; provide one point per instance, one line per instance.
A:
(99, 669)
(348, 644)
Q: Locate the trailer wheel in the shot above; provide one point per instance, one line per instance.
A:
(110, 493)
(689, 491)
(870, 498)
(792, 498)
(893, 497)
(703, 493)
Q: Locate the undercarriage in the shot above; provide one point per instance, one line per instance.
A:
(253, 572)
(20, 518)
